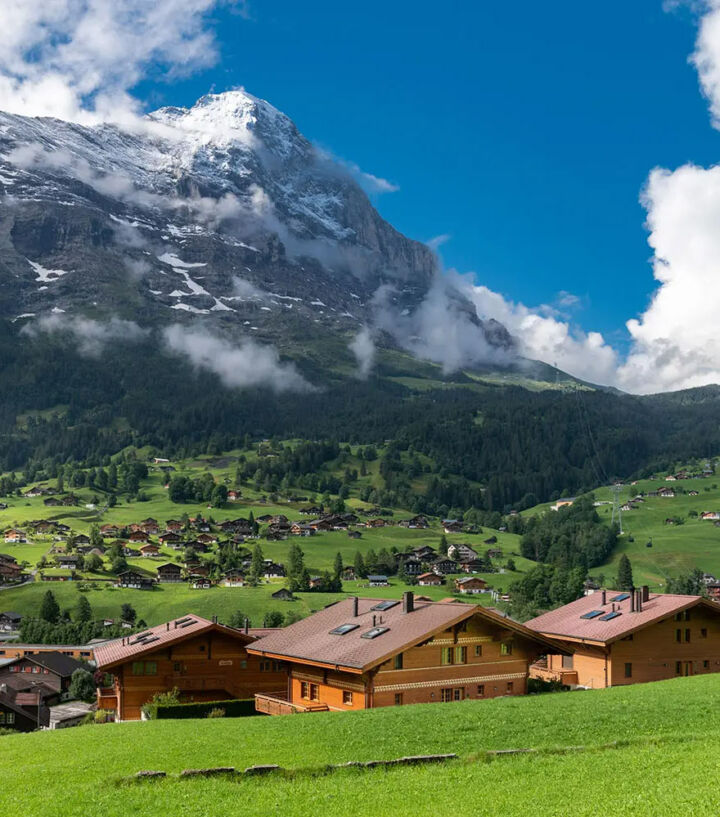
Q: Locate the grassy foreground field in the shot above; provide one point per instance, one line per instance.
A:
(664, 762)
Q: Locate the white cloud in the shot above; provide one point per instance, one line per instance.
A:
(90, 335)
(79, 59)
(437, 241)
(363, 347)
(245, 365)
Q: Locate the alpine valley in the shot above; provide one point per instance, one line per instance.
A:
(206, 274)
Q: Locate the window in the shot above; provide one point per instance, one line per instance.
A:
(567, 662)
(150, 668)
(687, 615)
(36, 670)
(678, 668)
(243, 665)
(347, 698)
(314, 692)
(305, 690)
(687, 635)
(678, 616)
(447, 655)
(461, 655)
(478, 650)
(449, 694)
(10, 717)
(398, 662)
(137, 668)
(2, 717)
(628, 670)
(706, 664)
(343, 629)
(398, 699)
(15, 669)
(481, 690)
(177, 666)
(506, 648)
(703, 632)
(678, 636)
(510, 687)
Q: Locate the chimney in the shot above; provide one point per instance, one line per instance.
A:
(167, 626)
(645, 592)
(632, 602)
(374, 620)
(604, 597)
(355, 606)
(247, 625)
(408, 601)
(638, 594)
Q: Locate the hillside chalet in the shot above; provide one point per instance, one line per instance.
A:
(204, 660)
(367, 653)
(629, 638)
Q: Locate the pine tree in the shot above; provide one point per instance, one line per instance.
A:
(359, 565)
(256, 567)
(83, 611)
(50, 609)
(338, 566)
(625, 576)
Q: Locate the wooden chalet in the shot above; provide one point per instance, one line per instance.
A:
(444, 566)
(204, 660)
(378, 581)
(48, 673)
(623, 638)
(169, 573)
(471, 584)
(369, 653)
(134, 580)
(233, 578)
(149, 549)
(473, 566)
(15, 536)
(10, 621)
(139, 536)
(283, 594)
(430, 580)
(21, 718)
(168, 539)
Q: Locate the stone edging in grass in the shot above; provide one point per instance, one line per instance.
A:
(409, 760)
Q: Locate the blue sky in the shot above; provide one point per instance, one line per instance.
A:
(524, 131)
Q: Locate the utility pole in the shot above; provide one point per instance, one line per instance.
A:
(616, 513)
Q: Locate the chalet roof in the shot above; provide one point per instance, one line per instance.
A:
(56, 662)
(568, 621)
(312, 640)
(124, 649)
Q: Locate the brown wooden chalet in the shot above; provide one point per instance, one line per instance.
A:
(47, 674)
(169, 573)
(135, 580)
(368, 653)
(629, 638)
(204, 660)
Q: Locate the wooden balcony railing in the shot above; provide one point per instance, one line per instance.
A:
(275, 704)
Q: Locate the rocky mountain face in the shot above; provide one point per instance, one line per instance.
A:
(222, 214)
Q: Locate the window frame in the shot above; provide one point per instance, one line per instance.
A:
(347, 697)
(506, 648)
(628, 669)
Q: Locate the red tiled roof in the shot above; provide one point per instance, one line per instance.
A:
(567, 622)
(311, 640)
(124, 649)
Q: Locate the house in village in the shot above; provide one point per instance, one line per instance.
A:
(68, 560)
(710, 515)
(378, 581)
(473, 566)
(471, 584)
(169, 539)
(134, 580)
(22, 718)
(443, 566)
(430, 580)
(203, 660)
(46, 674)
(566, 502)
(149, 549)
(453, 525)
(233, 578)
(283, 594)
(354, 534)
(411, 566)
(630, 637)
(13, 536)
(369, 653)
(138, 536)
(376, 523)
(424, 553)
(10, 570)
(169, 573)
(271, 570)
(416, 522)
(10, 621)
(462, 553)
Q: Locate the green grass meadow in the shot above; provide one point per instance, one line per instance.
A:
(649, 749)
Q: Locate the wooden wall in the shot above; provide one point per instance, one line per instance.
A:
(423, 676)
(211, 666)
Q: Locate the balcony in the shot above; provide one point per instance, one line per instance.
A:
(541, 672)
(274, 704)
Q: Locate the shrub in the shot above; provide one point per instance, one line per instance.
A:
(238, 708)
(217, 712)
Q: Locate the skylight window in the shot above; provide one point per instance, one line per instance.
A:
(621, 597)
(343, 629)
(610, 616)
(385, 605)
(592, 614)
(375, 632)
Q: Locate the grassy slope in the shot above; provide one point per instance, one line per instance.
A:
(665, 763)
(676, 549)
(170, 601)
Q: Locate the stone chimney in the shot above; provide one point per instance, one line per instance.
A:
(408, 601)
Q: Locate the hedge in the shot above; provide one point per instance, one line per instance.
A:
(236, 708)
